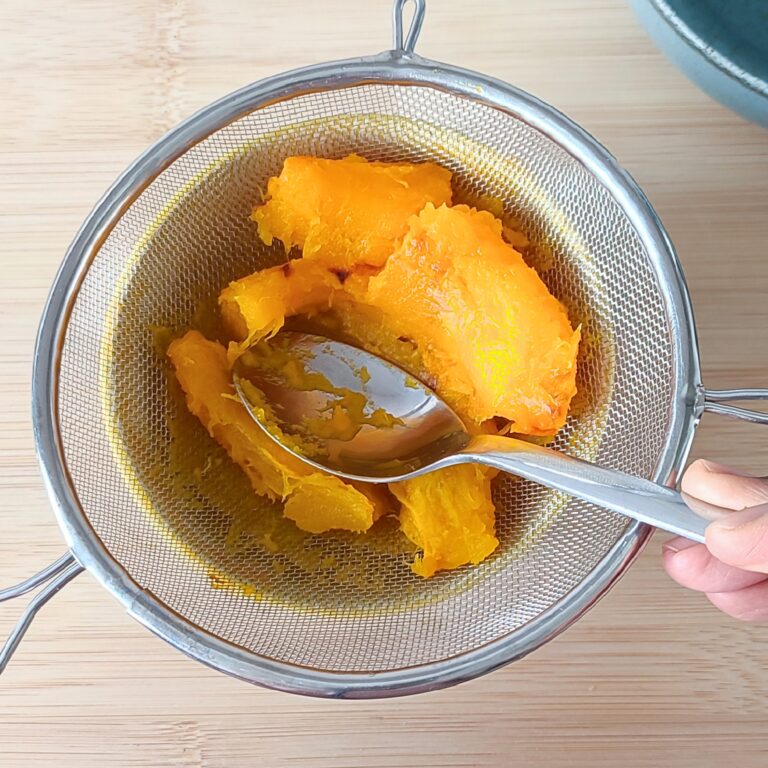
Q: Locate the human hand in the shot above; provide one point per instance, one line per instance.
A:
(732, 568)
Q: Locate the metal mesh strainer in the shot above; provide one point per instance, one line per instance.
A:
(155, 509)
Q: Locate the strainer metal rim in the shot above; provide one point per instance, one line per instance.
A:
(392, 67)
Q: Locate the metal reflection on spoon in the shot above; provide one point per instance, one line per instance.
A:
(423, 428)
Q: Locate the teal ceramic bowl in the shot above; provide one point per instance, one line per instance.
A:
(721, 45)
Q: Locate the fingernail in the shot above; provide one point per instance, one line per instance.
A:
(741, 519)
(722, 469)
(677, 544)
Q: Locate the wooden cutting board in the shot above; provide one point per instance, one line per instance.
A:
(653, 676)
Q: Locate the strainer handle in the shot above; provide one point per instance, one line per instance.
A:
(402, 43)
(716, 401)
(632, 496)
(54, 576)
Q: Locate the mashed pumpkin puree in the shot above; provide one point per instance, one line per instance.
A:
(389, 264)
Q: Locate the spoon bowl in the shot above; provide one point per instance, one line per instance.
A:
(391, 424)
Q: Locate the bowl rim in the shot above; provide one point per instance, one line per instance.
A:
(391, 67)
(725, 64)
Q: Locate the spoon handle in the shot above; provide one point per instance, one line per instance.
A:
(632, 496)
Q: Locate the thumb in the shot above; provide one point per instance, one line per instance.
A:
(724, 486)
(741, 539)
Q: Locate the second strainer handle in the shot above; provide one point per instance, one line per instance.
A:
(632, 496)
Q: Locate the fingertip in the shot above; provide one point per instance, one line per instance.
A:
(724, 486)
(684, 561)
(741, 539)
(699, 472)
(692, 566)
(677, 544)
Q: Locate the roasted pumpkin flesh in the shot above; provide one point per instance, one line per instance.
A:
(382, 258)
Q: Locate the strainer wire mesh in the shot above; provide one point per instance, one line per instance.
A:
(181, 519)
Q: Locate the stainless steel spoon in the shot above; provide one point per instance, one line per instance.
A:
(405, 430)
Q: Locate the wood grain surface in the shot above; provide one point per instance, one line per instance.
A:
(653, 676)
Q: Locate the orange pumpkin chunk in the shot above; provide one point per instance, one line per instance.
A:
(256, 306)
(347, 212)
(315, 501)
(488, 329)
(450, 515)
